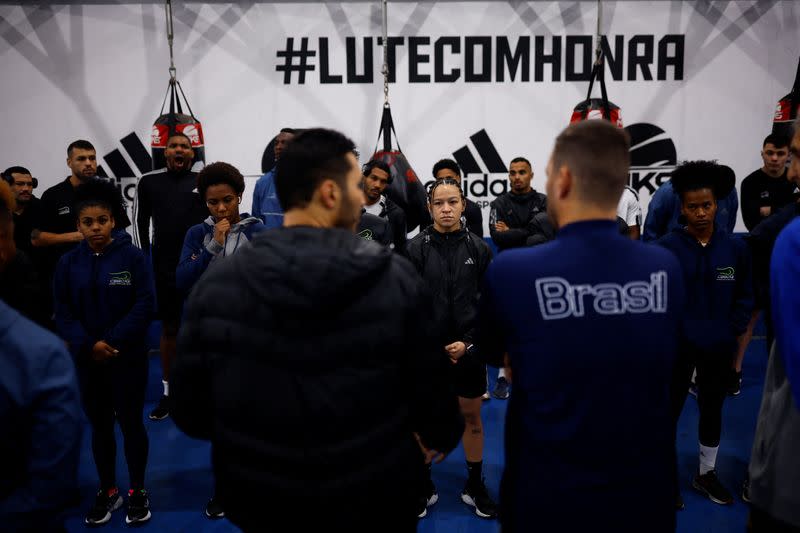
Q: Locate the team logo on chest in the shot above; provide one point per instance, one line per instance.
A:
(117, 279)
(726, 274)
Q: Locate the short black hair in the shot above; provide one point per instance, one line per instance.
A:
(220, 173)
(695, 175)
(443, 181)
(777, 140)
(376, 163)
(80, 144)
(288, 130)
(178, 134)
(448, 164)
(315, 155)
(15, 170)
(96, 193)
(521, 160)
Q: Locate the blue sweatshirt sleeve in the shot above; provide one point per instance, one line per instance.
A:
(743, 305)
(133, 326)
(659, 212)
(258, 194)
(785, 286)
(194, 259)
(54, 435)
(68, 325)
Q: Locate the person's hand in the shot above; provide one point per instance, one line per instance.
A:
(765, 211)
(102, 351)
(76, 236)
(455, 351)
(431, 456)
(221, 230)
(500, 226)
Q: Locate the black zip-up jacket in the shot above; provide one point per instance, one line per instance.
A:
(308, 361)
(517, 211)
(719, 288)
(452, 265)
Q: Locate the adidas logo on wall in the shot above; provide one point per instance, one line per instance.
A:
(478, 182)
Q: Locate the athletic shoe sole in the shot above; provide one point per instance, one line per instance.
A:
(107, 517)
(466, 498)
(151, 417)
(215, 516)
(142, 520)
(699, 488)
(431, 501)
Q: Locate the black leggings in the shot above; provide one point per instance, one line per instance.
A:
(114, 391)
(713, 375)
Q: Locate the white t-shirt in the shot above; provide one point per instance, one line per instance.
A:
(376, 208)
(629, 209)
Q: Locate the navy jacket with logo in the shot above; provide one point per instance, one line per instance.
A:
(719, 288)
(590, 311)
(107, 296)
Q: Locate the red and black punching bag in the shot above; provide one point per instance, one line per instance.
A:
(788, 109)
(176, 121)
(404, 189)
(597, 108)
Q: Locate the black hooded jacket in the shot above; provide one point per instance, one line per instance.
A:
(518, 212)
(306, 359)
(452, 265)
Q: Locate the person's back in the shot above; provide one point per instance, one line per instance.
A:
(334, 326)
(41, 420)
(590, 312)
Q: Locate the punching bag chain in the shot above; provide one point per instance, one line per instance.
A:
(170, 35)
(385, 69)
(599, 48)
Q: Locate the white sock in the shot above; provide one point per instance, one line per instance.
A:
(166, 387)
(708, 458)
(501, 373)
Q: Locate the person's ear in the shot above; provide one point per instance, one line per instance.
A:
(329, 193)
(240, 199)
(564, 182)
(113, 222)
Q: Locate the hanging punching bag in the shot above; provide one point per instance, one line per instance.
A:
(176, 121)
(597, 108)
(788, 109)
(405, 189)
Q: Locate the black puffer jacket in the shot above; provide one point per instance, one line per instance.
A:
(452, 265)
(306, 359)
(517, 211)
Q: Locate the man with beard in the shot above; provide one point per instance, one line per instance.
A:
(314, 310)
(376, 178)
(28, 206)
(54, 232)
(265, 200)
(170, 199)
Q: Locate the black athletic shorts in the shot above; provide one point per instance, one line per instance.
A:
(168, 298)
(469, 376)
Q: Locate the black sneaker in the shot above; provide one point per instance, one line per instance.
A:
(709, 485)
(486, 396)
(214, 510)
(138, 507)
(477, 496)
(501, 389)
(105, 503)
(746, 489)
(427, 500)
(735, 388)
(162, 409)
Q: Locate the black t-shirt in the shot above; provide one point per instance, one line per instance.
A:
(761, 190)
(25, 223)
(57, 215)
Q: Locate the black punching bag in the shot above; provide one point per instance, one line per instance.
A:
(405, 189)
(788, 109)
(176, 121)
(597, 108)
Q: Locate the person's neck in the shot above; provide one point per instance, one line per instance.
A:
(75, 181)
(585, 213)
(373, 202)
(20, 207)
(770, 174)
(306, 217)
(520, 193)
(100, 249)
(702, 235)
